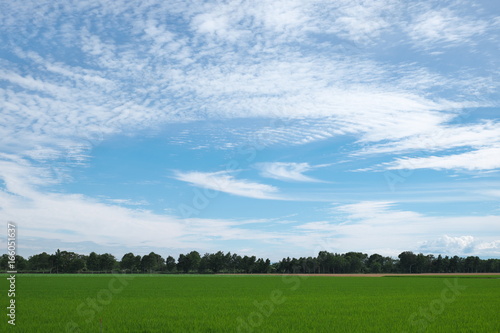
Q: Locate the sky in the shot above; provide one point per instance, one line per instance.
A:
(267, 128)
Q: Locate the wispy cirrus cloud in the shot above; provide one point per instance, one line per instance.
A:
(485, 134)
(492, 193)
(444, 28)
(287, 171)
(460, 147)
(357, 21)
(200, 68)
(368, 210)
(224, 182)
(195, 73)
(476, 160)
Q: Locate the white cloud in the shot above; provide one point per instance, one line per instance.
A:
(377, 227)
(236, 22)
(493, 193)
(445, 137)
(83, 224)
(369, 226)
(445, 28)
(494, 245)
(207, 72)
(358, 21)
(477, 160)
(479, 141)
(224, 182)
(371, 210)
(191, 75)
(466, 245)
(76, 219)
(128, 202)
(287, 171)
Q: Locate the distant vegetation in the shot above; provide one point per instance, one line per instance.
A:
(220, 262)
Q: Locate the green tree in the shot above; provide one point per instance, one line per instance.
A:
(66, 257)
(67, 262)
(39, 262)
(183, 263)
(340, 264)
(374, 263)
(107, 262)
(356, 261)
(194, 260)
(323, 262)
(93, 262)
(21, 263)
(188, 262)
(158, 263)
(216, 261)
(130, 262)
(235, 262)
(248, 263)
(77, 264)
(262, 266)
(147, 263)
(56, 261)
(4, 262)
(388, 265)
(170, 263)
(204, 265)
(228, 258)
(446, 264)
(407, 261)
(437, 265)
(455, 264)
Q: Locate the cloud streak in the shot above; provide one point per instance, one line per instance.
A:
(477, 160)
(224, 182)
(287, 171)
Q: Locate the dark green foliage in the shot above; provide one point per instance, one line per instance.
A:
(219, 262)
(130, 263)
(39, 262)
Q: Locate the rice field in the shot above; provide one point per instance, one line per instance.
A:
(243, 303)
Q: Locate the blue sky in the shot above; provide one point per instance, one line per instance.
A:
(270, 128)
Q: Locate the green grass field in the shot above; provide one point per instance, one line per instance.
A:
(194, 303)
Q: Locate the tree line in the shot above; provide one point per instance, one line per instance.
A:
(220, 262)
